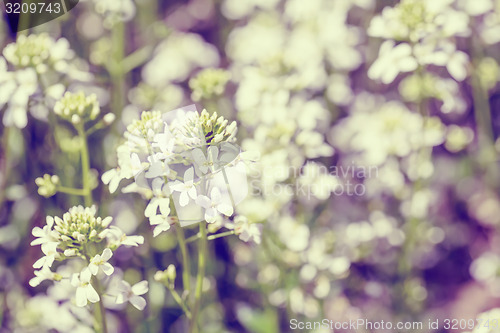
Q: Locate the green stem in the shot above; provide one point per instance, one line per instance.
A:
(186, 265)
(482, 111)
(6, 166)
(199, 279)
(222, 234)
(212, 237)
(179, 301)
(116, 68)
(100, 314)
(136, 59)
(85, 165)
(193, 238)
(71, 191)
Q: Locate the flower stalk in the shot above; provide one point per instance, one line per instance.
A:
(202, 252)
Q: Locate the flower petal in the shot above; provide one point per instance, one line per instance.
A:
(138, 302)
(140, 288)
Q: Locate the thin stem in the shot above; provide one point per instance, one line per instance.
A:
(71, 191)
(179, 301)
(222, 234)
(116, 68)
(186, 265)
(6, 167)
(482, 111)
(85, 166)
(136, 59)
(201, 275)
(193, 238)
(211, 237)
(100, 315)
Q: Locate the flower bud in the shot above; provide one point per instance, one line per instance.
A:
(47, 186)
(77, 107)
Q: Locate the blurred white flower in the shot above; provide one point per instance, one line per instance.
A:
(15, 91)
(247, 231)
(476, 7)
(391, 61)
(132, 294)
(183, 51)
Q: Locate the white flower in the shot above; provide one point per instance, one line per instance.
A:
(204, 163)
(157, 167)
(391, 61)
(19, 89)
(132, 294)
(116, 237)
(214, 205)
(101, 261)
(457, 65)
(112, 178)
(247, 231)
(50, 251)
(46, 234)
(84, 290)
(44, 274)
(160, 200)
(187, 188)
(165, 142)
(477, 7)
(161, 224)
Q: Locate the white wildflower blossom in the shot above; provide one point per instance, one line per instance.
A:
(81, 238)
(186, 187)
(391, 61)
(116, 237)
(214, 205)
(40, 52)
(50, 251)
(85, 292)
(44, 274)
(45, 234)
(133, 294)
(247, 231)
(100, 262)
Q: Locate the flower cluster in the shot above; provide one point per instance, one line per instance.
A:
(34, 64)
(40, 52)
(79, 234)
(77, 108)
(208, 83)
(182, 158)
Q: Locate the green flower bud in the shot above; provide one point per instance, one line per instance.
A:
(77, 108)
(47, 186)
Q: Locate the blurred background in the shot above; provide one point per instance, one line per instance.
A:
(374, 127)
